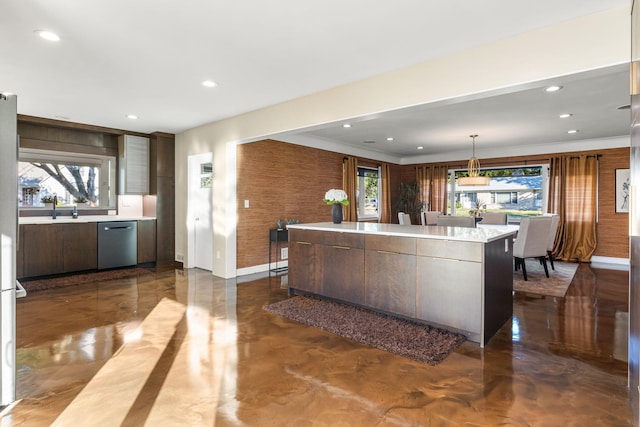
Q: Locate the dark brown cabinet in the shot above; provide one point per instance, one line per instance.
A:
(306, 271)
(41, 249)
(46, 249)
(390, 278)
(146, 241)
(79, 247)
(343, 267)
(390, 282)
(162, 185)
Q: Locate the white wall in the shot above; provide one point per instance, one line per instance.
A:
(591, 42)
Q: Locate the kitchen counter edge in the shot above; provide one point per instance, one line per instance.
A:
(81, 219)
(482, 235)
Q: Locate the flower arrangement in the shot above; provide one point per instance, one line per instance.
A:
(334, 196)
(47, 199)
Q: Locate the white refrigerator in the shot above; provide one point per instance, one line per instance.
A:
(8, 234)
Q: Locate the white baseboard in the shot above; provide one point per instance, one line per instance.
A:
(610, 263)
(260, 268)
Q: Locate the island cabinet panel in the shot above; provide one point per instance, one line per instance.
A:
(343, 273)
(41, 249)
(466, 251)
(305, 261)
(449, 292)
(400, 245)
(390, 282)
(79, 246)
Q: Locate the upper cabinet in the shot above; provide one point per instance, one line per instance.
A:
(133, 156)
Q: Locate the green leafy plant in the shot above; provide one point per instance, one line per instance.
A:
(80, 200)
(409, 200)
(47, 199)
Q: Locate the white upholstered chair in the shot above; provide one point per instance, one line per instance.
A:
(494, 218)
(430, 217)
(404, 218)
(532, 240)
(456, 221)
(555, 221)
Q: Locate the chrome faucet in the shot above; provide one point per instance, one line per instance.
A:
(55, 202)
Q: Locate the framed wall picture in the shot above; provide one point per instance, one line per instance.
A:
(622, 190)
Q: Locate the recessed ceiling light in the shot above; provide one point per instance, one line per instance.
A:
(48, 35)
(553, 88)
(565, 115)
(420, 148)
(132, 117)
(346, 125)
(209, 83)
(390, 138)
(572, 131)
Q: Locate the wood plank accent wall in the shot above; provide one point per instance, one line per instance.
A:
(612, 230)
(283, 180)
(280, 180)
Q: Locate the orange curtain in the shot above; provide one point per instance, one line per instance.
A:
(572, 195)
(432, 181)
(350, 186)
(385, 205)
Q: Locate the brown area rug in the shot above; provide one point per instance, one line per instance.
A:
(556, 285)
(412, 340)
(79, 279)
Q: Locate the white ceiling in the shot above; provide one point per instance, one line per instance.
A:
(527, 116)
(148, 57)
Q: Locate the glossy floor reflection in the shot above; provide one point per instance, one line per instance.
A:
(182, 347)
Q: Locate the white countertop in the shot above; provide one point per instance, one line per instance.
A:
(482, 234)
(66, 219)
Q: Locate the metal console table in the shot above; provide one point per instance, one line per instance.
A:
(277, 236)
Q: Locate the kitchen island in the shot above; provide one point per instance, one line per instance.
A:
(457, 278)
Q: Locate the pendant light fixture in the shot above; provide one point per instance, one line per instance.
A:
(473, 169)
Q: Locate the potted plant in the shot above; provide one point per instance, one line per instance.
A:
(47, 201)
(80, 201)
(409, 200)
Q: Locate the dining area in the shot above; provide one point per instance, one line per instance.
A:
(534, 239)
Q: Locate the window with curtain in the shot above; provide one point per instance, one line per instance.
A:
(516, 191)
(368, 193)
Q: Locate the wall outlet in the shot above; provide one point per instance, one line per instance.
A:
(179, 257)
(284, 253)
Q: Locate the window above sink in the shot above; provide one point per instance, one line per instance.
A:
(72, 177)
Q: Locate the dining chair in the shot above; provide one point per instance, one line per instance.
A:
(499, 218)
(456, 221)
(430, 217)
(531, 242)
(555, 221)
(404, 218)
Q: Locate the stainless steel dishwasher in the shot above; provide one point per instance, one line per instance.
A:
(117, 244)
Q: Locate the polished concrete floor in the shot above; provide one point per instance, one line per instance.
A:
(181, 347)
